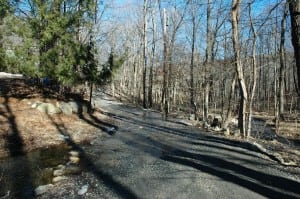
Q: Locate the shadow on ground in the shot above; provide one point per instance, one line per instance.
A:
(267, 185)
(23, 187)
(108, 180)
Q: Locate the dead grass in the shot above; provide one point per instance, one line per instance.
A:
(36, 129)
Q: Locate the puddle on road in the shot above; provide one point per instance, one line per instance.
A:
(21, 175)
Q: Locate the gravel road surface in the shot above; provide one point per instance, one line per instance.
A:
(143, 156)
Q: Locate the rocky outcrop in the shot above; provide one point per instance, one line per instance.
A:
(78, 107)
(48, 108)
(67, 108)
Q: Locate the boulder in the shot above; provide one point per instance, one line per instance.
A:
(74, 153)
(42, 189)
(74, 106)
(83, 189)
(60, 166)
(58, 179)
(48, 108)
(58, 172)
(78, 107)
(70, 169)
(74, 159)
(35, 104)
(66, 108)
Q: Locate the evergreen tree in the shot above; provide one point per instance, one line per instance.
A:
(56, 27)
(110, 67)
(4, 10)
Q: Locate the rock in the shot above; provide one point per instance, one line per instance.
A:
(59, 172)
(74, 153)
(58, 179)
(111, 130)
(83, 189)
(66, 108)
(48, 108)
(74, 159)
(64, 137)
(35, 104)
(75, 106)
(42, 189)
(71, 169)
(78, 107)
(61, 167)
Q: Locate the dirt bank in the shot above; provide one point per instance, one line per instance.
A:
(23, 128)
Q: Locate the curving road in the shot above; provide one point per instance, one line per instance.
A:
(145, 157)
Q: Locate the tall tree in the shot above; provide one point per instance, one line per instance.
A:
(55, 29)
(165, 91)
(235, 16)
(208, 59)
(282, 69)
(294, 7)
(145, 8)
(192, 64)
(254, 74)
(153, 51)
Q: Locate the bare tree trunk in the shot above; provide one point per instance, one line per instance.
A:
(165, 95)
(252, 90)
(150, 90)
(294, 7)
(135, 71)
(208, 60)
(239, 67)
(282, 66)
(230, 99)
(192, 86)
(145, 55)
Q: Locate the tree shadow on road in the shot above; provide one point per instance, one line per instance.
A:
(108, 180)
(188, 133)
(91, 119)
(20, 187)
(267, 185)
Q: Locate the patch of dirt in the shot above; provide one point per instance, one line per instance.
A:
(23, 128)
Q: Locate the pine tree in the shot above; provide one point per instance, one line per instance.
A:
(56, 28)
(4, 10)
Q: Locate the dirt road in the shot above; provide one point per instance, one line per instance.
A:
(145, 157)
